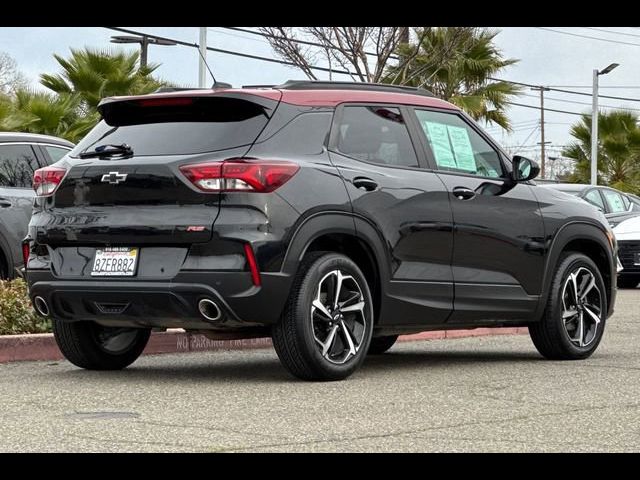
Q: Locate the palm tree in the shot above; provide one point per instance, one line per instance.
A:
(457, 64)
(41, 112)
(95, 74)
(70, 110)
(618, 150)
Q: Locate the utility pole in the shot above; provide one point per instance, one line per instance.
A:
(541, 89)
(202, 67)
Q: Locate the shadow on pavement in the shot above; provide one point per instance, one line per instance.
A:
(248, 368)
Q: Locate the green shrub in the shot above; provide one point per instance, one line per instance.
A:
(16, 313)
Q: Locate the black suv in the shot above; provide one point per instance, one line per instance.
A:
(331, 216)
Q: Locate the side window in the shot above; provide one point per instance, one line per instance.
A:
(17, 164)
(377, 135)
(457, 147)
(614, 199)
(594, 198)
(627, 202)
(56, 153)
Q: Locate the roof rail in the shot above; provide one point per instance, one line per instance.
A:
(331, 85)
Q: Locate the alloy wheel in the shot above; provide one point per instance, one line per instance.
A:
(581, 307)
(338, 317)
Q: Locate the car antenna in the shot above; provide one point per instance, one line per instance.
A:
(215, 82)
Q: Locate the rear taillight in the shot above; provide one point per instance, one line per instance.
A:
(240, 175)
(26, 250)
(46, 180)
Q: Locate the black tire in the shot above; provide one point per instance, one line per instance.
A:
(84, 344)
(380, 345)
(550, 335)
(628, 282)
(296, 336)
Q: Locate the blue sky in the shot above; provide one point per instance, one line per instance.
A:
(546, 57)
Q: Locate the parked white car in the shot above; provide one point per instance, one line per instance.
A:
(628, 237)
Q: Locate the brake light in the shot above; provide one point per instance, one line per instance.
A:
(165, 102)
(240, 175)
(46, 180)
(26, 250)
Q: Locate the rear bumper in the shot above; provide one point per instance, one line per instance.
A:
(170, 304)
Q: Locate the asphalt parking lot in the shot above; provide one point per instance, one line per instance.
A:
(471, 394)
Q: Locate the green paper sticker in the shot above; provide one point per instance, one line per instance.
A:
(439, 139)
(462, 149)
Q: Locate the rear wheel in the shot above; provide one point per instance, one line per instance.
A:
(573, 322)
(94, 347)
(628, 282)
(326, 328)
(380, 345)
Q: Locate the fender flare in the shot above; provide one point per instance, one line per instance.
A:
(577, 230)
(328, 222)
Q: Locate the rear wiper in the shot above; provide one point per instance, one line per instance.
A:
(107, 151)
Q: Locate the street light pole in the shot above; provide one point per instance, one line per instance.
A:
(144, 47)
(144, 41)
(594, 130)
(202, 66)
(594, 122)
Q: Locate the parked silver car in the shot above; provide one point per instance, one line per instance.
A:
(20, 155)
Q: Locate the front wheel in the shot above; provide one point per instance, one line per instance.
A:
(573, 322)
(94, 347)
(325, 331)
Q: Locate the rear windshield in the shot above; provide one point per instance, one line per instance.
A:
(177, 126)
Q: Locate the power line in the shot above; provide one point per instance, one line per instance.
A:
(230, 52)
(588, 36)
(546, 109)
(582, 103)
(302, 42)
(628, 99)
(527, 139)
(613, 31)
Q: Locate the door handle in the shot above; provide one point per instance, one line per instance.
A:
(464, 193)
(4, 203)
(364, 183)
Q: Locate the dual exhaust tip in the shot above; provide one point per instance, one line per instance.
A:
(207, 308)
(40, 304)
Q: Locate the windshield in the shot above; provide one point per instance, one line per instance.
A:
(164, 127)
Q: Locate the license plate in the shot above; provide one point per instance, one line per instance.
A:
(115, 262)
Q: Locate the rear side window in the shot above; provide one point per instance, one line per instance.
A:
(614, 199)
(56, 153)
(376, 134)
(182, 126)
(594, 198)
(17, 164)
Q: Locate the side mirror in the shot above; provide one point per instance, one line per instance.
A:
(524, 169)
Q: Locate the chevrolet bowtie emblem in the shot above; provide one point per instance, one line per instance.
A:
(114, 178)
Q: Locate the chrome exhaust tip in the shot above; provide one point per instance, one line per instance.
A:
(41, 306)
(209, 310)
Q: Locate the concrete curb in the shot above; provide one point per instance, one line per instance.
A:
(42, 346)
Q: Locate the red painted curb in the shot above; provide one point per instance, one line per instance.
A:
(42, 346)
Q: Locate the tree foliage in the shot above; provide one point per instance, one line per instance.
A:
(618, 150)
(69, 108)
(457, 64)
